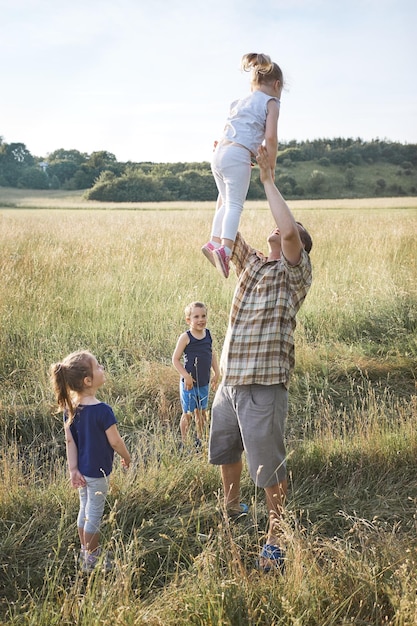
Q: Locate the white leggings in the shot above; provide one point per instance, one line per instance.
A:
(92, 501)
(231, 167)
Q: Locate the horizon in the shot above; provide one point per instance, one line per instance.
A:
(286, 143)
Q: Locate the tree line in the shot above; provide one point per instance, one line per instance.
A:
(106, 179)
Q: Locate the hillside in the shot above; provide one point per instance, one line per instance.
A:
(325, 168)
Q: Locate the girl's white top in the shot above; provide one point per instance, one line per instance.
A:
(247, 119)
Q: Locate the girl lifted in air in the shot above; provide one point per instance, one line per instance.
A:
(252, 121)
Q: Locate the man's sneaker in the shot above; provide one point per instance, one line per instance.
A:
(273, 558)
(241, 514)
(221, 260)
(207, 250)
(237, 516)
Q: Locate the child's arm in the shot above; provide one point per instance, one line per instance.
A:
(182, 343)
(215, 367)
(271, 134)
(77, 479)
(118, 445)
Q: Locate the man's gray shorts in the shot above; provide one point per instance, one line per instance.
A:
(250, 418)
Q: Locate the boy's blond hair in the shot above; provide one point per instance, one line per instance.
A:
(190, 307)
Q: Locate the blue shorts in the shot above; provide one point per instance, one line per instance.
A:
(195, 398)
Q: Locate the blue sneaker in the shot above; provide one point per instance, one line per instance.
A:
(273, 557)
(238, 516)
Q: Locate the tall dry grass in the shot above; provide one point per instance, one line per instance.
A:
(116, 282)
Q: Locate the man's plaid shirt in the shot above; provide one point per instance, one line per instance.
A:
(259, 343)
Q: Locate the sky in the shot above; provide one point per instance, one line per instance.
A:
(152, 80)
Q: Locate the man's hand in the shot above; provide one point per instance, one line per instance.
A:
(264, 167)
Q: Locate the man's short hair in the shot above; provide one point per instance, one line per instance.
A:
(305, 238)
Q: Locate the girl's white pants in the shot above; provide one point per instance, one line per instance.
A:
(231, 167)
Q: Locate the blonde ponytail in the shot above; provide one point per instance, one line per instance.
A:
(68, 377)
(263, 69)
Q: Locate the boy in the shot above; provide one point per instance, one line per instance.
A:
(194, 347)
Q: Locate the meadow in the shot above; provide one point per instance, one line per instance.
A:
(115, 280)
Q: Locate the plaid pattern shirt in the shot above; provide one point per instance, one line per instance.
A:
(259, 343)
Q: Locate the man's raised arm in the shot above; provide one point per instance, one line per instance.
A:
(291, 244)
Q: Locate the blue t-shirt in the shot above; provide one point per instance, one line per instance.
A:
(88, 429)
(198, 357)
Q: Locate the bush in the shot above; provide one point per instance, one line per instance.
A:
(131, 187)
(317, 181)
(324, 162)
(33, 178)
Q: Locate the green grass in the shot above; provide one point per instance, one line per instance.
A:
(116, 282)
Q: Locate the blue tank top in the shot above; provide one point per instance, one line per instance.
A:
(197, 358)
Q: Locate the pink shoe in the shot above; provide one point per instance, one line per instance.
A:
(207, 250)
(221, 261)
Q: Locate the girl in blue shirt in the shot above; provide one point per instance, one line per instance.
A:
(91, 437)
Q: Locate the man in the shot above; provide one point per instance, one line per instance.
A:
(250, 406)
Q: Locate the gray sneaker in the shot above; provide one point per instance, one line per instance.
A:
(81, 557)
(92, 559)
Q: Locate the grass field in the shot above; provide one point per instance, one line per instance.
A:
(32, 198)
(116, 281)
